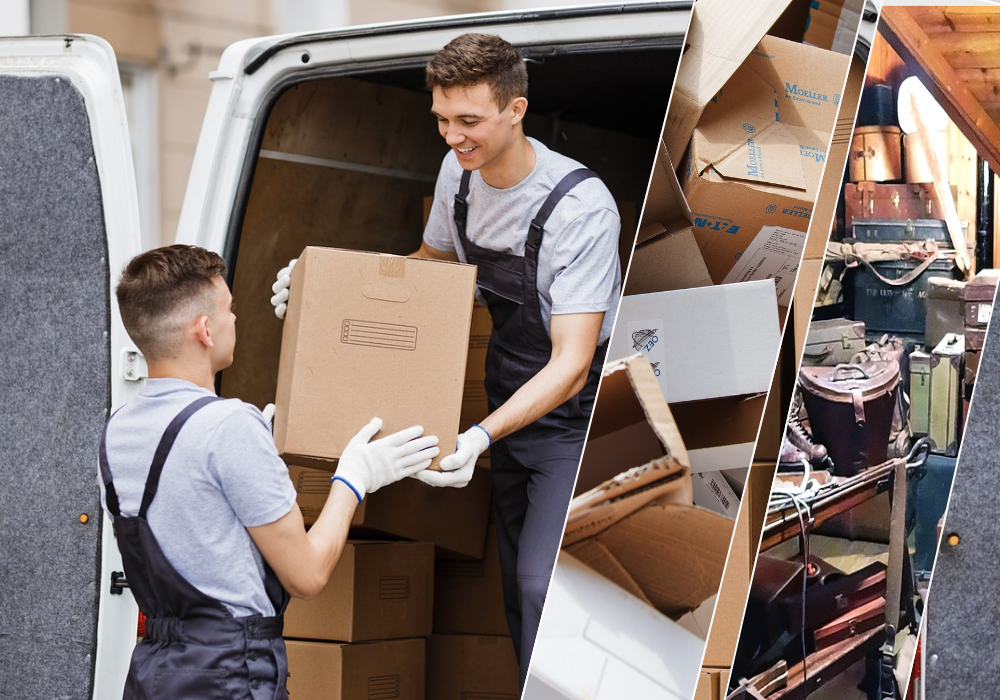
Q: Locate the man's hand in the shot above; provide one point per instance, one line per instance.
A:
(457, 469)
(280, 288)
(368, 466)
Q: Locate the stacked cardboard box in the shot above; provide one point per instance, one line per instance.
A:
(749, 124)
(386, 349)
(368, 628)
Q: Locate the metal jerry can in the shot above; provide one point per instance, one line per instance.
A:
(833, 342)
(936, 394)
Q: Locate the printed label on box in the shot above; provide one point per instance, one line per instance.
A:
(774, 254)
(645, 337)
(984, 313)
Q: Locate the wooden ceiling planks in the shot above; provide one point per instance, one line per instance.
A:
(954, 51)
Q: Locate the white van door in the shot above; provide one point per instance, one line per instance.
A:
(253, 73)
(70, 223)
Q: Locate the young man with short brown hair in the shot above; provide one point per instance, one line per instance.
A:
(204, 511)
(543, 231)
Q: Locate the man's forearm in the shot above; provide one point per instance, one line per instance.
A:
(559, 381)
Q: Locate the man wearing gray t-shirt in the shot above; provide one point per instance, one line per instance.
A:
(203, 508)
(543, 232)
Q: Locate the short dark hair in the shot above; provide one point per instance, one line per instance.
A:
(471, 59)
(160, 284)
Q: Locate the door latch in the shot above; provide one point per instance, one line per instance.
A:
(118, 582)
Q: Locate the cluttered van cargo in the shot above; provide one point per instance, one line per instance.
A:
(321, 139)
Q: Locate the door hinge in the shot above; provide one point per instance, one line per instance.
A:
(134, 365)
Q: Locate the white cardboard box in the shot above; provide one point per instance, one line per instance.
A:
(597, 641)
(705, 342)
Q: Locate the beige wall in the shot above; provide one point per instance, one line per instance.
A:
(182, 41)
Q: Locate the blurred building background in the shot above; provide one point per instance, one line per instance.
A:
(166, 49)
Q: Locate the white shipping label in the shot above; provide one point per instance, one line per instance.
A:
(774, 254)
(984, 313)
(646, 337)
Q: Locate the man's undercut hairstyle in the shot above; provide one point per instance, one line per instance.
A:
(471, 59)
(162, 290)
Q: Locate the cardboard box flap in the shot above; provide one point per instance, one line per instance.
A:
(675, 554)
(667, 261)
(630, 392)
(808, 90)
(666, 205)
(660, 481)
(769, 156)
(719, 38)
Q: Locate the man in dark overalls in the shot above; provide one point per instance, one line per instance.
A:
(203, 508)
(543, 232)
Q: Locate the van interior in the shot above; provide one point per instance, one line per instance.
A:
(349, 160)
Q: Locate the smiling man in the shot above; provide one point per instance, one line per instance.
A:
(543, 231)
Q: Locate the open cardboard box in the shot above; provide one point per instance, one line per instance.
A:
(633, 519)
(725, 107)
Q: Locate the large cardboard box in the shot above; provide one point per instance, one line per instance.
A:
(454, 520)
(468, 595)
(598, 641)
(644, 545)
(757, 155)
(470, 667)
(724, 38)
(366, 335)
(378, 590)
(705, 342)
(325, 671)
(475, 405)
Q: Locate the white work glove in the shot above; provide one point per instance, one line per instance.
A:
(457, 469)
(269, 416)
(280, 288)
(368, 466)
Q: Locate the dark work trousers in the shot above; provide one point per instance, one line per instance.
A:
(194, 648)
(534, 469)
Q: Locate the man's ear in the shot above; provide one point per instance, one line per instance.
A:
(519, 107)
(203, 331)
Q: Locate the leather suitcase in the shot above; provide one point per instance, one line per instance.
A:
(850, 409)
(945, 309)
(974, 338)
(872, 200)
(972, 358)
(833, 342)
(936, 393)
(901, 230)
(979, 294)
(850, 624)
(876, 154)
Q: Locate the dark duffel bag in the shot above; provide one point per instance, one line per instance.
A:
(850, 409)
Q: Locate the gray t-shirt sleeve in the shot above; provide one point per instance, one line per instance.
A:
(441, 232)
(245, 464)
(585, 260)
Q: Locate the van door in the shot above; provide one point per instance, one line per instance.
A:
(70, 222)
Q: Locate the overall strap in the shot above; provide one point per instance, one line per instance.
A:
(558, 192)
(462, 205)
(163, 449)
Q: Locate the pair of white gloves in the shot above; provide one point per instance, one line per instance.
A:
(368, 465)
